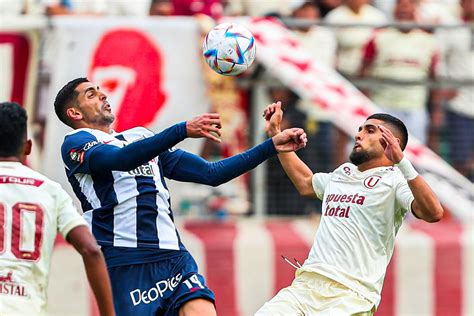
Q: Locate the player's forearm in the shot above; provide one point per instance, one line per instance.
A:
(426, 205)
(138, 153)
(96, 270)
(192, 168)
(99, 280)
(298, 172)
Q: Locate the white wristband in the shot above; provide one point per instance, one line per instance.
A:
(407, 169)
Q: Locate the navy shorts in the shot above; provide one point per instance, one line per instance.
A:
(157, 288)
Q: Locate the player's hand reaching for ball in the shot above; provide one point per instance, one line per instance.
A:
(290, 139)
(273, 115)
(205, 125)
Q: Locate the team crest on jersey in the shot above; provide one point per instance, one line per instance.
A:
(371, 181)
(89, 145)
(76, 155)
(9, 287)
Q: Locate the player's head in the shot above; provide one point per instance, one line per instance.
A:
(368, 141)
(405, 10)
(13, 137)
(80, 103)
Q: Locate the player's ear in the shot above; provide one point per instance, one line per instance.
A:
(27, 148)
(73, 114)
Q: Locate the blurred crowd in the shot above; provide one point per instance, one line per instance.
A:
(397, 46)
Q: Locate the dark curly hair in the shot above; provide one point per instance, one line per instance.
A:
(13, 128)
(65, 96)
(398, 127)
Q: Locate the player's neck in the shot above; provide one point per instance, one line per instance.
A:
(374, 163)
(100, 127)
(11, 159)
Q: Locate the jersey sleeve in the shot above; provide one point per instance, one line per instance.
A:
(76, 151)
(403, 195)
(67, 214)
(168, 160)
(320, 181)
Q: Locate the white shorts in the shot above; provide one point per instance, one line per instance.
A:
(314, 294)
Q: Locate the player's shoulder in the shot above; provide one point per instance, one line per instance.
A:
(345, 168)
(35, 178)
(138, 130)
(85, 133)
(83, 139)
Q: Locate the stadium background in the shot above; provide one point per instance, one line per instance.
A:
(154, 73)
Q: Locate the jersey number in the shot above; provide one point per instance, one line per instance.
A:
(19, 209)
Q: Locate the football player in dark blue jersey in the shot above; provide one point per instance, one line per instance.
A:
(119, 179)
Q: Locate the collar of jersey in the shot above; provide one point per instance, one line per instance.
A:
(370, 171)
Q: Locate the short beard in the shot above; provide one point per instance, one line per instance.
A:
(358, 158)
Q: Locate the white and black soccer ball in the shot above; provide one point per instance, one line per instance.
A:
(229, 49)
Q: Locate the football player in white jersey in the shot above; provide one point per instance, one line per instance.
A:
(364, 203)
(32, 210)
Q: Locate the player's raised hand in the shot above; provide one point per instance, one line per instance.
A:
(391, 145)
(273, 115)
(205, 125)
(290, 139)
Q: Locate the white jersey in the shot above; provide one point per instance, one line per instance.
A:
(32, 210)
(361, 215)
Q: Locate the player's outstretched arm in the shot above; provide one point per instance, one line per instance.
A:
(83, 241)
(426, 205)
(192, 168)
(298, 172)
(108, 157)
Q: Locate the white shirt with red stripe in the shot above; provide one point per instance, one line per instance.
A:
(361, 215)
(32, 210)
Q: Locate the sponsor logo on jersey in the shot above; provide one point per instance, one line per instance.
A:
(9, 287)
(143, 170)
(371, 181)
(160, 288)
(89, 145)
(337, 211)
(20, 180)
(342, 210)
(346, 198)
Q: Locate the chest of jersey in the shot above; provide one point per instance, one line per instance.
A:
(359, 198)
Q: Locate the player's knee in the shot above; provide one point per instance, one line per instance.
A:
(198, 307)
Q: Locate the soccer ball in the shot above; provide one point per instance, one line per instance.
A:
(229, 49)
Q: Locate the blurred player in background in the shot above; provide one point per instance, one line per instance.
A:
(32, 210)
(364, 203)
(119, 178)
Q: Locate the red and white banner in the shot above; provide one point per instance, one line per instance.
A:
(285, 58)
(430, 274)
(19, 44)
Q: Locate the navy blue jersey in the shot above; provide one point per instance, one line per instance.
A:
(123, 208)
